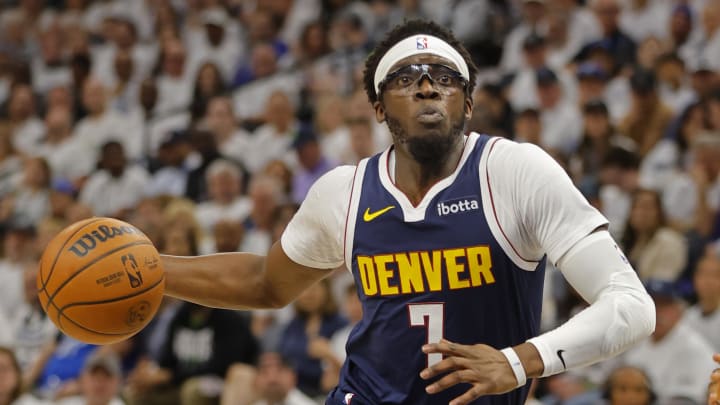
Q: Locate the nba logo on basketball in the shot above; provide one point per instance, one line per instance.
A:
(132, 270)
(421, 42)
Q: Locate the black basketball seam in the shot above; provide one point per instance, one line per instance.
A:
(90, 263)
(60, 310)
(62, 247)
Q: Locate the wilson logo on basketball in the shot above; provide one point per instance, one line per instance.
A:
(89, 241)
(132, 270)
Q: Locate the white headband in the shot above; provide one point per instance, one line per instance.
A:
(416, 45)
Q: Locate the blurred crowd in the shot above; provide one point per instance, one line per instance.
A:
(205, 122)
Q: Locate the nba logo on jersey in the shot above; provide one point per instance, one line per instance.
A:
(421, 42)
(348, 398)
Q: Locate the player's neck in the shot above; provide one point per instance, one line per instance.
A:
(415, 179)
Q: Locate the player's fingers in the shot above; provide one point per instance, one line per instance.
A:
(445, 347)
(443, 366)
(454, 378)
(470, 395)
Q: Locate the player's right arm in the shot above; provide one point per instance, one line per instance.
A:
(310, 248)
(239, 280)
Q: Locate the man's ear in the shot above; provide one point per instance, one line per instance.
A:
(379, 111)
(468, 107)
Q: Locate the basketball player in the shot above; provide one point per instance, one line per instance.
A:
(446, 236)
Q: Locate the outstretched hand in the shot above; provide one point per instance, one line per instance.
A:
(480, 365)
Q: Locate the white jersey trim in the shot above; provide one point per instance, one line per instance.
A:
(352, 214)
(489, 209)
(410, 212)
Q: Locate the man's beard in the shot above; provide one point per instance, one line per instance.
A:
(432, 151)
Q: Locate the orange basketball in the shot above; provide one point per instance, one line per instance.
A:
(100, 280)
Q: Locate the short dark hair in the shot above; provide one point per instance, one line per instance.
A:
(400, 32)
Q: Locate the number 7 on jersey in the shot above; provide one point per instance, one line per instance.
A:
(430, 316)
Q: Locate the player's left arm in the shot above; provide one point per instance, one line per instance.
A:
(559, 221)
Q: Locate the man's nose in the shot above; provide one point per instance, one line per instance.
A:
(426, 88)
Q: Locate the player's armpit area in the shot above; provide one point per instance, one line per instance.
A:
(239, 280)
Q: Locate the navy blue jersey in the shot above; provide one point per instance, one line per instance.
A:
(443, 275)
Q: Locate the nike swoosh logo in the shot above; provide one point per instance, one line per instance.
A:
(559, 353)
(369, 216)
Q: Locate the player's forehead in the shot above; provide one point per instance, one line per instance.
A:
(423, 58)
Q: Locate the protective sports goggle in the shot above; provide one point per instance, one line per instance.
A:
(445, 80)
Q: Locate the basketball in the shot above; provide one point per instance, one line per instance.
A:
(100, 280)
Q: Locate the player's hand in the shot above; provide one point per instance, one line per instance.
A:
(482, 366)
(714, 387)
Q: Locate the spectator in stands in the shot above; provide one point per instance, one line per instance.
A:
(312, 163)
(711, 26)
(227, 202)
(533, 14)
(10, 162)
(49, 68)
(201, 345)
(27, 129)
(627, 385)
(174, 160)
(18, 249)
(54, 375)
(332, 131)
(117, 186)
(561, 120)
(124, 94)
(208, 84)
(705, 315)
(655, 250)
(492, 108)
(621, 46)
(528, 126)
(218, 42)
(11, 392)
(273, 139)
(100, 382)
(317, 316)
(673, 86)
(232, 140)
(676, 357)
(266, 194)
(66, 155)
(274, 382)
(618, 181)
(648, 116)
(362, 140)
(228, 235)
(282, 172)
(173, 84)
(203, 143)
(30, 201)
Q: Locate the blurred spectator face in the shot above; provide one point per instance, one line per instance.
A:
(309, 154)
(274, 378)
(148, 94)
(219, 117)
(629, 386)
(178, 240)
(528, 127)
(224, 187)
(22, 105)
(36, 173)
(680, 25)
(668, 312)
(535, 55)
(711, 18)
(9, 375)
(645, 213)
(533, 11)
(215, 34)
(265, 193)
(209, 79)
(264, 61)
(607, 13)
(361, 138)
(279, 111)
(707, 279)
(549, 95)
(314, 41)
(125, 34)
(124, 66)
(60, 202)
(18, 244)
(51, 47)
(704, 81)
(174, 59)
(281, 172)
(113, 159)
(57, 123)
(99, 386)
(228, 235)
(94, 96)
(671, 71)
(329, 114)
(59, 97)
(597, 125)
(693, 124)
(590, 89)
(708, 157)
(313, 299)
(648, 52)
(261, 27)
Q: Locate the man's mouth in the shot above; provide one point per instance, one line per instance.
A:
(429, 115)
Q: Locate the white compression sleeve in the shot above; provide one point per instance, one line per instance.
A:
(620, 313)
